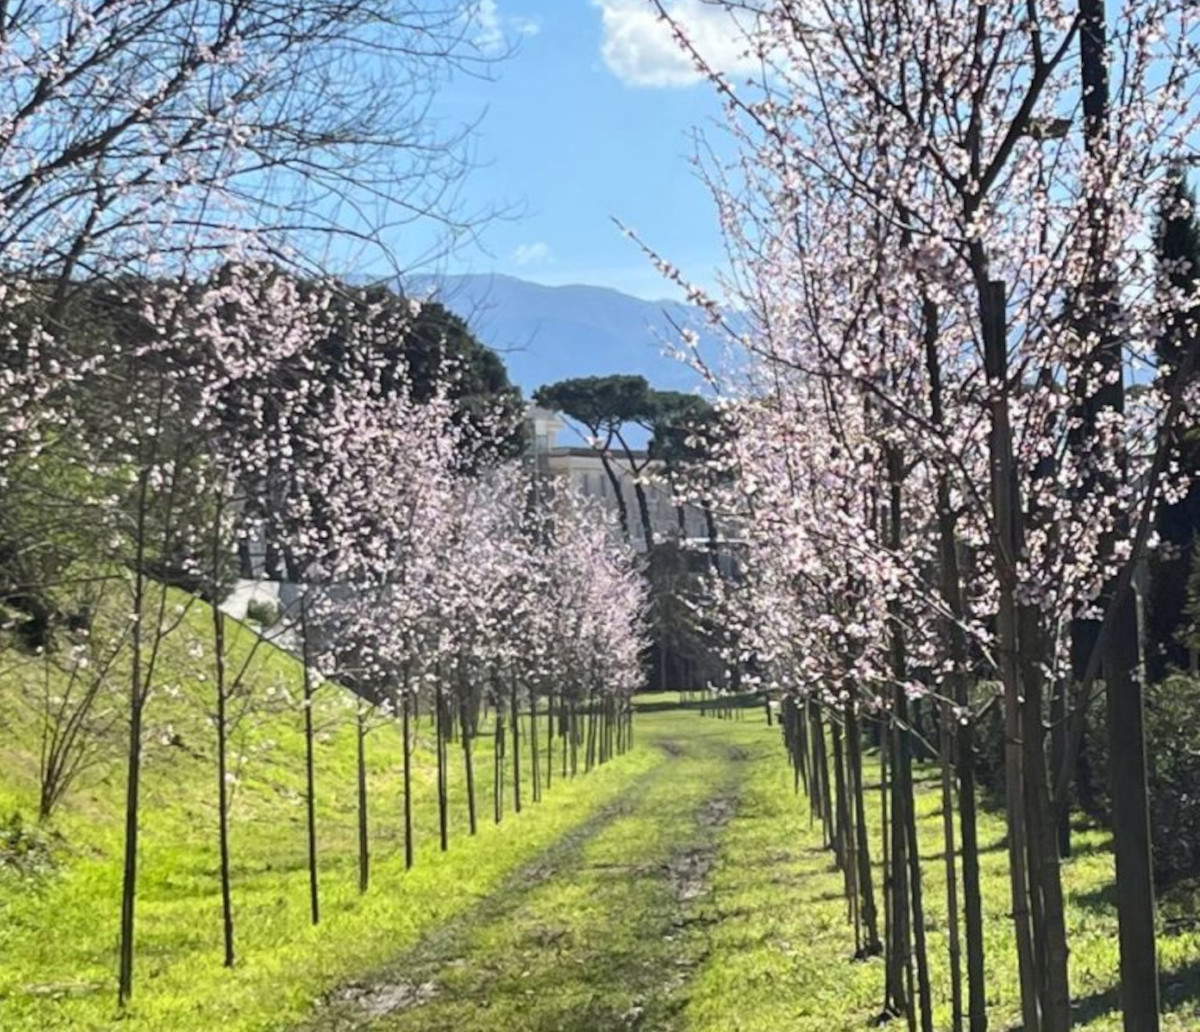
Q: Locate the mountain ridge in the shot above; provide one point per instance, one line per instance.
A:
(549, 332)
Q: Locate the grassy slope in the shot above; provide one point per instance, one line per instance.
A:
(58, 935)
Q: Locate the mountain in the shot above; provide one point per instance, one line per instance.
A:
(552, 333)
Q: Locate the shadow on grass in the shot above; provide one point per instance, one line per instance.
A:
(1180, 986)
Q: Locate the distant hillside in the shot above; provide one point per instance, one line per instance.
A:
(551, 333)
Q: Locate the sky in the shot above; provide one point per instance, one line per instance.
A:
(587, 119)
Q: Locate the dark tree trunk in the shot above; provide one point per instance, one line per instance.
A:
(614, 482)
(364, 852)
(1058, 758)
(534, 758)
(498, 764)
(904, 804)
(439, 711)
(1120, 648)
(133, 777)
(845, 833)
(550, 737)
(408, 809)
(310, 770)
(516, 744)
(946, 730)
(1045, 876)
(468, 733)
(871, 947)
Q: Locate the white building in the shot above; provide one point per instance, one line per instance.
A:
(584, 468)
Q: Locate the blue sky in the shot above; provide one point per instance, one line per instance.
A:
(588, 119)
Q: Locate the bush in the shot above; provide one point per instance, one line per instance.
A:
(263, 612)
(25, 849)
(1173, 751)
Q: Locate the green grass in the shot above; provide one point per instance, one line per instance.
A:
(604, 940)
(783, 945)
(681, 887)
(602, 934)
(58, 934)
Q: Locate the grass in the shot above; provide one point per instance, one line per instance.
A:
(603, 934)
(680, 887)
(782, 947)
(603, 938)
(58, 932)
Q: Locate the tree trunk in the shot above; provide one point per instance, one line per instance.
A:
(1120, 648)
(615, 483)
(1006, 508)
(516, 744)
(1131, 825)
(439, 718)
(498, 764)
(1058, 759)
(897, 998)
(467, 733)
(845, 833)
(904, 803)
(133, 777)
(534, 758)
(871, 947)
(408, 811)
(364, 854)
(946, 728)
(550, 737)
(1045, 875)
(310, 770)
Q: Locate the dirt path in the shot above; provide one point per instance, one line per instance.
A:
(602, 931)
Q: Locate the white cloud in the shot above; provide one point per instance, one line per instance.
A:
(494, 30)
(538, 253)
(524, 26)
(640, 49)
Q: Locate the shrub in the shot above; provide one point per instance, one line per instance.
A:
(25, 849)
(1173, 750)
(263, 612)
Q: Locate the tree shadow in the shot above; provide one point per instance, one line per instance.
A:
(1179, 986)
(1099, 901)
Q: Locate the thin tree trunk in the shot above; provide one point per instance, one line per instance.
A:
(897, 998)
(845, 832)
(223, 783)
(574, 732)
(1006, 508)
(963, 731)
(516, 744)
(439, 718)
(406, 707)
(904, 807)
(1050, 927)
(862, 852)
(1058, 758)
(498, 764)
(615, 483)
(946, 726)
(310, 770)
(364, 854)
(468, 765)
(133, 778)
(550, 737)
(535, 760)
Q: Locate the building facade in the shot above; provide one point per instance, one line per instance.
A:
(583, 468)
